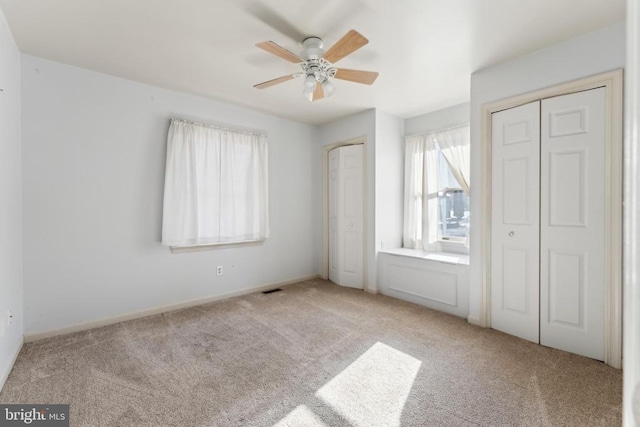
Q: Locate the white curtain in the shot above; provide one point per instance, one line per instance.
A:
(216, 186)
(420, 193)
(456, 149)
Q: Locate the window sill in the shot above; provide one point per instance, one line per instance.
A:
(443, 257)
(213, 246)
(453, 246)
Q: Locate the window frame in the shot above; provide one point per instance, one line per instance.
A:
(448, 243)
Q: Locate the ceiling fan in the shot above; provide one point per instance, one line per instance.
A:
(317, 65)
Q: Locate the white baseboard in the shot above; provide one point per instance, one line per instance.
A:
(475, 321)
(5, 375)
(157, 310)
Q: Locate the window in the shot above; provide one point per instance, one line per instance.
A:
(437, 189)
(453, 203)
(216, 186)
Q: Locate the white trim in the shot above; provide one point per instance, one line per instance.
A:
(442, 257)
(455, 246)
(631, 249)
(157, 310)
(5, 375)
(612, 81)
(325, 208)
(475, 321)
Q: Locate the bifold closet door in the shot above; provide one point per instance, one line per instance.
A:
(572, 221)
(346, 249)
(515, 221)
(548, 222)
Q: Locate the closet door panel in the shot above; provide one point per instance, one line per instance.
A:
(346, 250)
(515, 221)
(572, 273)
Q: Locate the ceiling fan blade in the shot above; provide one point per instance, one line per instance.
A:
(348, 44)
(278, 50)
(273, 82)
(318, 93)
(358, 76)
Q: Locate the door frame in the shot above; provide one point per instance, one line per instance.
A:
(612, 81)
(361, 140)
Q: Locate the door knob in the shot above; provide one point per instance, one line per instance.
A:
(511, 233)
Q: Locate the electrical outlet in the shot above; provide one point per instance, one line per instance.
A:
(219, 270)
(10, 316)
(381, 244)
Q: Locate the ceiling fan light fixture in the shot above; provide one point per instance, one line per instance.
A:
(308, 96)
(309, 86)
(328, 88)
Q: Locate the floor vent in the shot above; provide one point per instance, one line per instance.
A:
(272, 291)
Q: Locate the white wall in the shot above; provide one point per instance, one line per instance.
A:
(10, 201)
(389, 185)
(389, 180)
(94, 157)
(589, 54)
(440, 119)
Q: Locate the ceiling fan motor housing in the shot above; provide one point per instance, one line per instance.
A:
(312, 48)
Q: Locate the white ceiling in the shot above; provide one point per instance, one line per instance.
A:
(425, 50)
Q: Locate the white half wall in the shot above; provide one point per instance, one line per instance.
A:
(435, 280)
(94, 151)
(10, 202)
(583, 56)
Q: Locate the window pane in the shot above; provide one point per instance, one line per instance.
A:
(453, 204)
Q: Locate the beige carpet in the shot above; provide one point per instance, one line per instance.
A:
(313, 354)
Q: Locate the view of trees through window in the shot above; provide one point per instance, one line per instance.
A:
(453, 203)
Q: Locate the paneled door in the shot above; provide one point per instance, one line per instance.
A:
(548, 224)
(572, 221)
(346, 249)
(515, 222)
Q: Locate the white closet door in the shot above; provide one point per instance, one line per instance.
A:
(572, 275)
(346, 251)
(515, 224)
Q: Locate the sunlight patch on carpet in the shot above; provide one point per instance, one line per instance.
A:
(373, 390)
(301, 416)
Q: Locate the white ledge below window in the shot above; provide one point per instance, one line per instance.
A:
(443, 257)
(211, 246)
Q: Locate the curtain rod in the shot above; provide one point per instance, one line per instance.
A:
(191, 122)
(431, 132)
